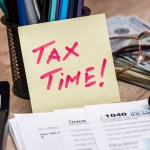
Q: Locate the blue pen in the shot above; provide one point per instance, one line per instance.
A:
(22, 12)
(52, 10)
(63, 10)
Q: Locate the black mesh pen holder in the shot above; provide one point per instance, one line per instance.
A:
(20, 86)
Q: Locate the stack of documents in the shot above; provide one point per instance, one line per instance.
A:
(130, 25)
(117, 126)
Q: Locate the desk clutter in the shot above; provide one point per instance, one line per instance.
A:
(130, 25)
(4, 111)
(107, 126)
(27, 12)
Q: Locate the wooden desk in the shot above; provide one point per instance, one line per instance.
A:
(128, 92)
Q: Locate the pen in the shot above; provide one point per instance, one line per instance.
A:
(12, 11)
(44, 11)
(149, 101)
(3, 7)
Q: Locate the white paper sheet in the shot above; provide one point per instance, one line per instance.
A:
(121, 126)
(39, 131)
(75, 130)
(15, 133)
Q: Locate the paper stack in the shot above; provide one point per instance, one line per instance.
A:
(107, 126)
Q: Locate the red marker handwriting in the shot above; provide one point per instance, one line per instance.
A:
(41, 50)
(102, 71)
(86, 77)
(50, 76)
(54, 54)
(71, 51)
(89, 77)
(66, 80)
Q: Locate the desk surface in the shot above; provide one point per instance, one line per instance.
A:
(128, 92)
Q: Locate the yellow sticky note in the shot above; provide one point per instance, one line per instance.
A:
(68, 63)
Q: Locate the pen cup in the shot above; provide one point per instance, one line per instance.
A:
(20, 86)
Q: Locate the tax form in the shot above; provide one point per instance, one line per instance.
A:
(37, 131)
(75, 129)
(121, 126)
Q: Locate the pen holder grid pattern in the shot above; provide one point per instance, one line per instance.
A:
(20, 86)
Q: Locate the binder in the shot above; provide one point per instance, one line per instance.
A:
(4, 111)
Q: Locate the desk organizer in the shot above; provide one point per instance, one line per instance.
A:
(20, 86)
(4, 111)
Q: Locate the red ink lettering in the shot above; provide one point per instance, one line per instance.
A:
(70, 79)
(88, 77)
(53, 55)
(41, 50)
(50, 75)
(61, 82)
(102, 71)
(71, 51)
(101, 84)
(103, 66)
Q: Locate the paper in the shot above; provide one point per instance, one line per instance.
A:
(14, 130)
(117, 126)
(121, 126)
(76, 132)
(68, 63)
(39, 131)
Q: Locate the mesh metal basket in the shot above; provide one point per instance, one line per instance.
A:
(20, 87)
